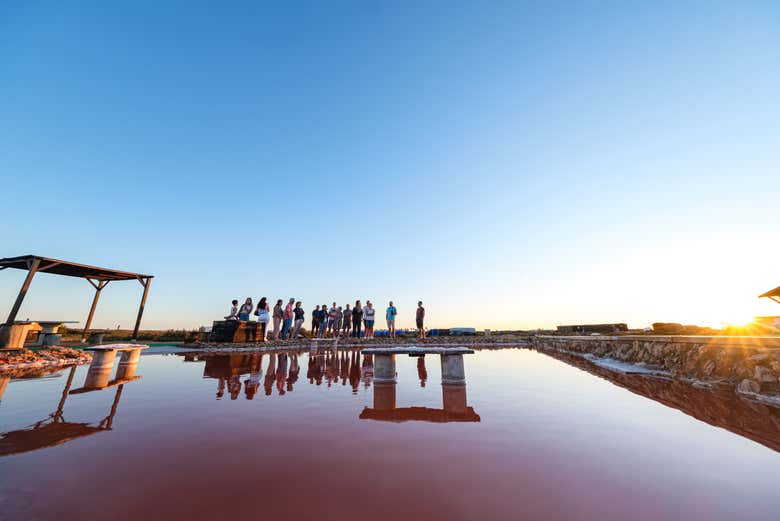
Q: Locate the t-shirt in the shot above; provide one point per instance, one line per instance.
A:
(357, 314)
(246, 308)
(288, 312)
(333, 314)
(391, 313)
(278, 311)
(298, 313)
(347, 314)
(317, 315)
(369, 313)
(420, 313)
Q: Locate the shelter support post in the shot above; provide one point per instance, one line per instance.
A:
(32, 269)
(98, 288)
(146, 282)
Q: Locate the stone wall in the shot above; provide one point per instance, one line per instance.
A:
(747, 364)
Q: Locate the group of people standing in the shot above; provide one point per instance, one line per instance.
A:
(333, 321)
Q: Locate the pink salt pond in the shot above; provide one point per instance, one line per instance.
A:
(500, 435)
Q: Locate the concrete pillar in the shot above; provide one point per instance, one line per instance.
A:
(453, 397)
(128, 364)
(384, 396)
(452, 370)
(384, 368)
(99, 372)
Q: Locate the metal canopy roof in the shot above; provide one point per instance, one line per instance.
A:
(69, 269)
(773, 294)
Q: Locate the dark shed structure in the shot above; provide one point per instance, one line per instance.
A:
(97, 277)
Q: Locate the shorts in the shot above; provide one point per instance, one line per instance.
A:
(419, 323)
(391, 323)
(243, 316)
(369, 323)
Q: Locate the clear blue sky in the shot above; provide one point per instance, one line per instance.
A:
(511, 164)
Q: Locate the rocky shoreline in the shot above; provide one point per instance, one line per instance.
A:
(23, 363)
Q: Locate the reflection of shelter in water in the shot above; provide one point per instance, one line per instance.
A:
(453, 392)
(720, 408)
(55, 430)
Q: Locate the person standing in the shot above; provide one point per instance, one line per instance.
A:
(316, 320)
(246, 309)
(287, 319)
(390, 316)
(339, 320)
(420, 319)
(277, 316)
(263, 317)
(347, 326)
(299, 317)
(357, 319)
(369, 315)
(333, 314)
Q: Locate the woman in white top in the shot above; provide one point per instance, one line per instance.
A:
(369, 314)
(263, 313)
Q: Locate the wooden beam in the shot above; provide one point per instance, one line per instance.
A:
(50, 265)
(98, 288)
(33, 268)
(141, 307)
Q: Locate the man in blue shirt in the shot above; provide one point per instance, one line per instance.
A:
(390, 316)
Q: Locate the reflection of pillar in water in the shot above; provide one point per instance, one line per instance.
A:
(384, 368)
(128, 364)
(453, 397)
(453, 384)
(3, 384)
(384, 396)
(100, 369)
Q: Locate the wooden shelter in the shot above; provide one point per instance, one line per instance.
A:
(97, 277)
(773, 294)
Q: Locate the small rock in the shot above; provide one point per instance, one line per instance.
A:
(748, 386)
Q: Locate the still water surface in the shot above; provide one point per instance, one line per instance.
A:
(532, 437)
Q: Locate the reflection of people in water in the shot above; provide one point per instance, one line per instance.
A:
(252, 384)
(354, 371)
(270, 374)
(281, 374)
(344, 369)
(422, 372)
(234, 386)
(220, 388)
(333, 368)
(368, 370)
(294, 370)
